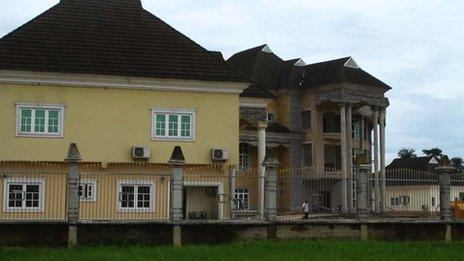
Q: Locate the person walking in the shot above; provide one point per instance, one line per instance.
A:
(305, 209)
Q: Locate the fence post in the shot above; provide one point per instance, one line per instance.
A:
(444, 171)
(177, 161)
(270, 200)
(73, 159)
(362, 170)
(232, 179)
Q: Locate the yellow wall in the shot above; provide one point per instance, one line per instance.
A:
(106, 123)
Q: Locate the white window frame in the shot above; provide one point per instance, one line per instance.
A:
(34, 107)
(89, 182)
(135, 183)
(178, 112)
(23, 181)
(356, 130)
(271, 117)
(248, 155)
(244, 191)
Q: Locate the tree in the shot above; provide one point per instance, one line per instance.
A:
(407, 153)
(436, 152)
(458, 163)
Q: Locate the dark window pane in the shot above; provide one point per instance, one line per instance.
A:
(306, 120)
(32, 188)
(308, 155)
(144, 189)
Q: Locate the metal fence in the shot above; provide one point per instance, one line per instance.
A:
(30, 194)
(141, 192)
(410, 194)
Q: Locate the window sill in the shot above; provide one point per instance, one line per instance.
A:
(35, 135)
(22, 210)
(173, 139)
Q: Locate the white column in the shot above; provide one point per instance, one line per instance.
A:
(343, 144)
(261, 170)
(376, 160)
(349, 155)
(382, 160)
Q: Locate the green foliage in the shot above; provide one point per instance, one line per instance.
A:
(458, 163)
(407, 153)
(436, 152)
(256, 250)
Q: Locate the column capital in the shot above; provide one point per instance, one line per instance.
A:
(270, 162)
(262, 125)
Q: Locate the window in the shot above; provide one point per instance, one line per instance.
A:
(404, 200)
(177, 125)
(23, 194)
(356, 129)
(39, 120)
(331, 122)
(306, 120)
(87, 190)
(271, 117)
(135, 196)
(241, 198)
(244, 156)
(433, 202)
(308, 154)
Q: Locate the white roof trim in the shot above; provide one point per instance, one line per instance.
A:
(351, 64)
(433, 160)
(266, 49)
(246, 102)
(300, 62)
(119, 82)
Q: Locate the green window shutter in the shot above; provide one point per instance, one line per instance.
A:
(39, 124)
(53, 121)
(25, 121)
(185, 126)
(173, 125)
(160, 122)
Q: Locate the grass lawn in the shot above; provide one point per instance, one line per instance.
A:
(261, 250)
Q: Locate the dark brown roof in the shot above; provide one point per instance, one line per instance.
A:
(418, 163)
(273, 73)
(110, 37)
(335, 71)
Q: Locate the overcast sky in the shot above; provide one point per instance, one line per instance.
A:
(415, 46)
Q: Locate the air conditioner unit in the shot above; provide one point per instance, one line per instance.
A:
(219, 154)
(140, 152)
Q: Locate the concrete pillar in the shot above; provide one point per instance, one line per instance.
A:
(261, 170)
(177, 161)
(343, 144)
(176, 236)
(271, 165)
(448, 234)
(376, 161)
(362, 174)
(72, 204)
(444, 171)
(349, 156)
(364, 232)
(382, 161)
(232, 180)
